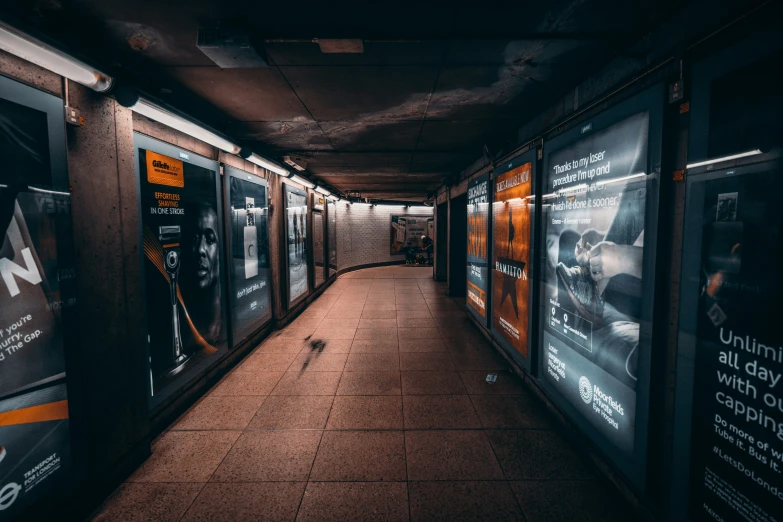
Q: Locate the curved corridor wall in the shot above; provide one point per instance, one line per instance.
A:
(363, 232)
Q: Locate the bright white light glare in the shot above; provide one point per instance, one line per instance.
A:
(302, 181)
(322, 190)
(582, 187)
(362, 204)
(332, 197)
(28, 48)
(725, 158)
(3, 186)
(261, 162)
(618, 180)
(159, 114)
(44, 191)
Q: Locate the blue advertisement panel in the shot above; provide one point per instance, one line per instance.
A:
(599, 204)
(479, 194)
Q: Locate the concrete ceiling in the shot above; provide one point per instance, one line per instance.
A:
(432, 87)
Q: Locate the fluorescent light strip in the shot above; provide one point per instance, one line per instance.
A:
(154, 112)
(618, 180)
(44, 191)
(725, 158)
(33, 50)
(322, 190)
(268, 165)
(582, 187)
(301, 181)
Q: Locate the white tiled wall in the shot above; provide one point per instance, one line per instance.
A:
(364, 232)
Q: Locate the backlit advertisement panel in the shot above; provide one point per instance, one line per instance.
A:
(478, 246)
(36, 296)
(183, 265)
(296, 232)
(512, 214)
(593, 356)
(251, 298)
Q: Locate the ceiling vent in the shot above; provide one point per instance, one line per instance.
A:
(229, 48)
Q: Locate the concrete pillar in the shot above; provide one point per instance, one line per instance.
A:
(106, 238)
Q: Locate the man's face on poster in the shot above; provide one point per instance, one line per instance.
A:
(205, 249)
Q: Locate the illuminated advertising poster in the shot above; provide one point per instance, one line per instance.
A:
(594, 202)
(182, 237)
(251, 297)
(36, 279)
(737, 427)
(407, 231)
(296, 230)
(478, 227)
(512, 210)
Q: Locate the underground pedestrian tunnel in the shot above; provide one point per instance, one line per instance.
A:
(367, 262)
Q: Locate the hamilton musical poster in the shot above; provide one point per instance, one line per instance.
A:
(36, 293)
(182, 264)
(512, 210)
(478, 223)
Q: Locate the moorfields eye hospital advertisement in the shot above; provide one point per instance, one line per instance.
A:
(594, 210)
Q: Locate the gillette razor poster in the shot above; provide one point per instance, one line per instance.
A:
(182, 238)
(36, 296)
(595, 286)
(730, 332)
(512, 212)
(296, 231)
(478, 227)
(251, 301)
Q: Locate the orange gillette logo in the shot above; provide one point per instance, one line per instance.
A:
(163, 170)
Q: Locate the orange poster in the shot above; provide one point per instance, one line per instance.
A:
(162, 170)
(512, 210)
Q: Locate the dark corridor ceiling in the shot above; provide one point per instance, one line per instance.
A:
(432, 87)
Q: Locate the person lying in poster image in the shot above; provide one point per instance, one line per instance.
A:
(201, 291)
(606, 259)
(602, 280)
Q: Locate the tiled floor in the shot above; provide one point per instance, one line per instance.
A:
(372, 405)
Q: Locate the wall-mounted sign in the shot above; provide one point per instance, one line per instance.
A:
(597, 290)
(512, 214)
(479, 197)
(251, 297)
(296, 233)
(407, 232)
(36, 294)
(183, 265)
